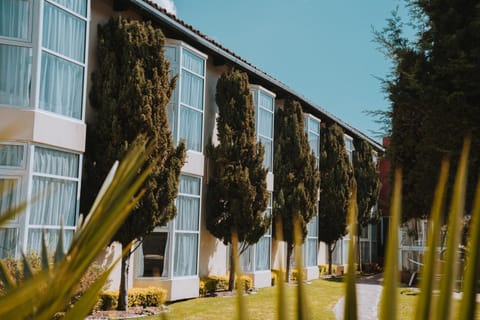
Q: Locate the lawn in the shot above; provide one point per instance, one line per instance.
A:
(322, 297)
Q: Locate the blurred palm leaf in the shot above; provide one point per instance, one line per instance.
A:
(50, 290)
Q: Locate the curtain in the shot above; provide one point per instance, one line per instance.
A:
(63, 33)
(191, 128)
(8, 242)
(268, 157)
(34, 243)
(8, 195)
(193, 62)
(192, 90)
(15, 74)
(61, 86)
(246, 260)
(311, 252)
(265, 123)
(312, 227)
(78, 6)
(15, 19)
(56, 162)
(188, 213)
(262, 254)
(185, 259)
(11, 155)
(266, 101)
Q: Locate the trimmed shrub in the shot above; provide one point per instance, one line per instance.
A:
(211, 284)
(145, 297)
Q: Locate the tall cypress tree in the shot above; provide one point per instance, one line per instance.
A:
(237, 194)
(336, 178)
(296, 174)
(130, 91)
(368, 181)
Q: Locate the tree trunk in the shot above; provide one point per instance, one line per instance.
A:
(330, 252)
(231, 277)
(122, 292)
(289, 264)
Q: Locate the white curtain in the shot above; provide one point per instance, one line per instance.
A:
(8, 195)
(56, 162)
(8, 242)
(78, 6)
(191, 128)
(246, 260)
(268, 156)
(185, 260)
(11, 155)
(193, 62)
(15, 19)
(61, 86)
(15, 74)
(34, 243)
(187, 214)
(192, 90)
(266, 101)
(63, 33)
(265, 123)
(311, 252)
(262, 254)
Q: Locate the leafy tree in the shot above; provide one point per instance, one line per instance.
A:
(434, 94)
(368, 186)
(296, 174)
(237, 194)
(336, 178)
(368, 182)
(130, 91)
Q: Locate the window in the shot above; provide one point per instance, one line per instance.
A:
(311, 242)
(55, 183)
(187, 226)
(349, 147)
(15, 52)
(312, 129)
(257, 256)
(185, 110)
(264, 108)
(63, 57)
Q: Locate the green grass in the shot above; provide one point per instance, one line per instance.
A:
(322, 296)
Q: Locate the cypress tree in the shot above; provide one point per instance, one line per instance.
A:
(130, 91)
(237, 194)
(336, 179)
(296, 174)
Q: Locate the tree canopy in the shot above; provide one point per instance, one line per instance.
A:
(296, 173)
(434, 94)
(336, 178)
(130, 90)
(368, 182)
(237, 195)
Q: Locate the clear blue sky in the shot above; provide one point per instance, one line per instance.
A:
(321, 49)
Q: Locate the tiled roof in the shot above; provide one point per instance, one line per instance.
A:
(185, 28)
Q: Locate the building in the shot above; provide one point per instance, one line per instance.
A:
(47, 55)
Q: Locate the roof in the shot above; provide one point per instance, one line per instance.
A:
(218, 49)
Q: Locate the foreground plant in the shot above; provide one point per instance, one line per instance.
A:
(45, 293)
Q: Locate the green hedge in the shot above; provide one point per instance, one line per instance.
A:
(146, 297)
(210, 285)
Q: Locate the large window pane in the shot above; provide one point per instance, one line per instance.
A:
(61, 86)
(56, 162)
(8, 194)
(192, 62)
(63, 33)
(265, 123)
(153, 253)
(8, 242)
(34, 243)
(262, 254)
(246, 259)
(266, 101)
(11, 155)
(56, 200)
(15, 74)
(78, 6)
(15, 19)
(185, 260)
(192, 90)
(187, 213)
(268, 157)
(311, 252)
(191, 128)
(189, 185)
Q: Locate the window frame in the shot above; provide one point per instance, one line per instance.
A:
(308, 130)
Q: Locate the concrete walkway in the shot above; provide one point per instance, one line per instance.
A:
(368, 296)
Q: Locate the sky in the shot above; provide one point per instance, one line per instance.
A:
(323, 50)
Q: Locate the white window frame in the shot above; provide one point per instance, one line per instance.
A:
(256, 91)
(308, 130)
(349, 148)
(176, 66)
